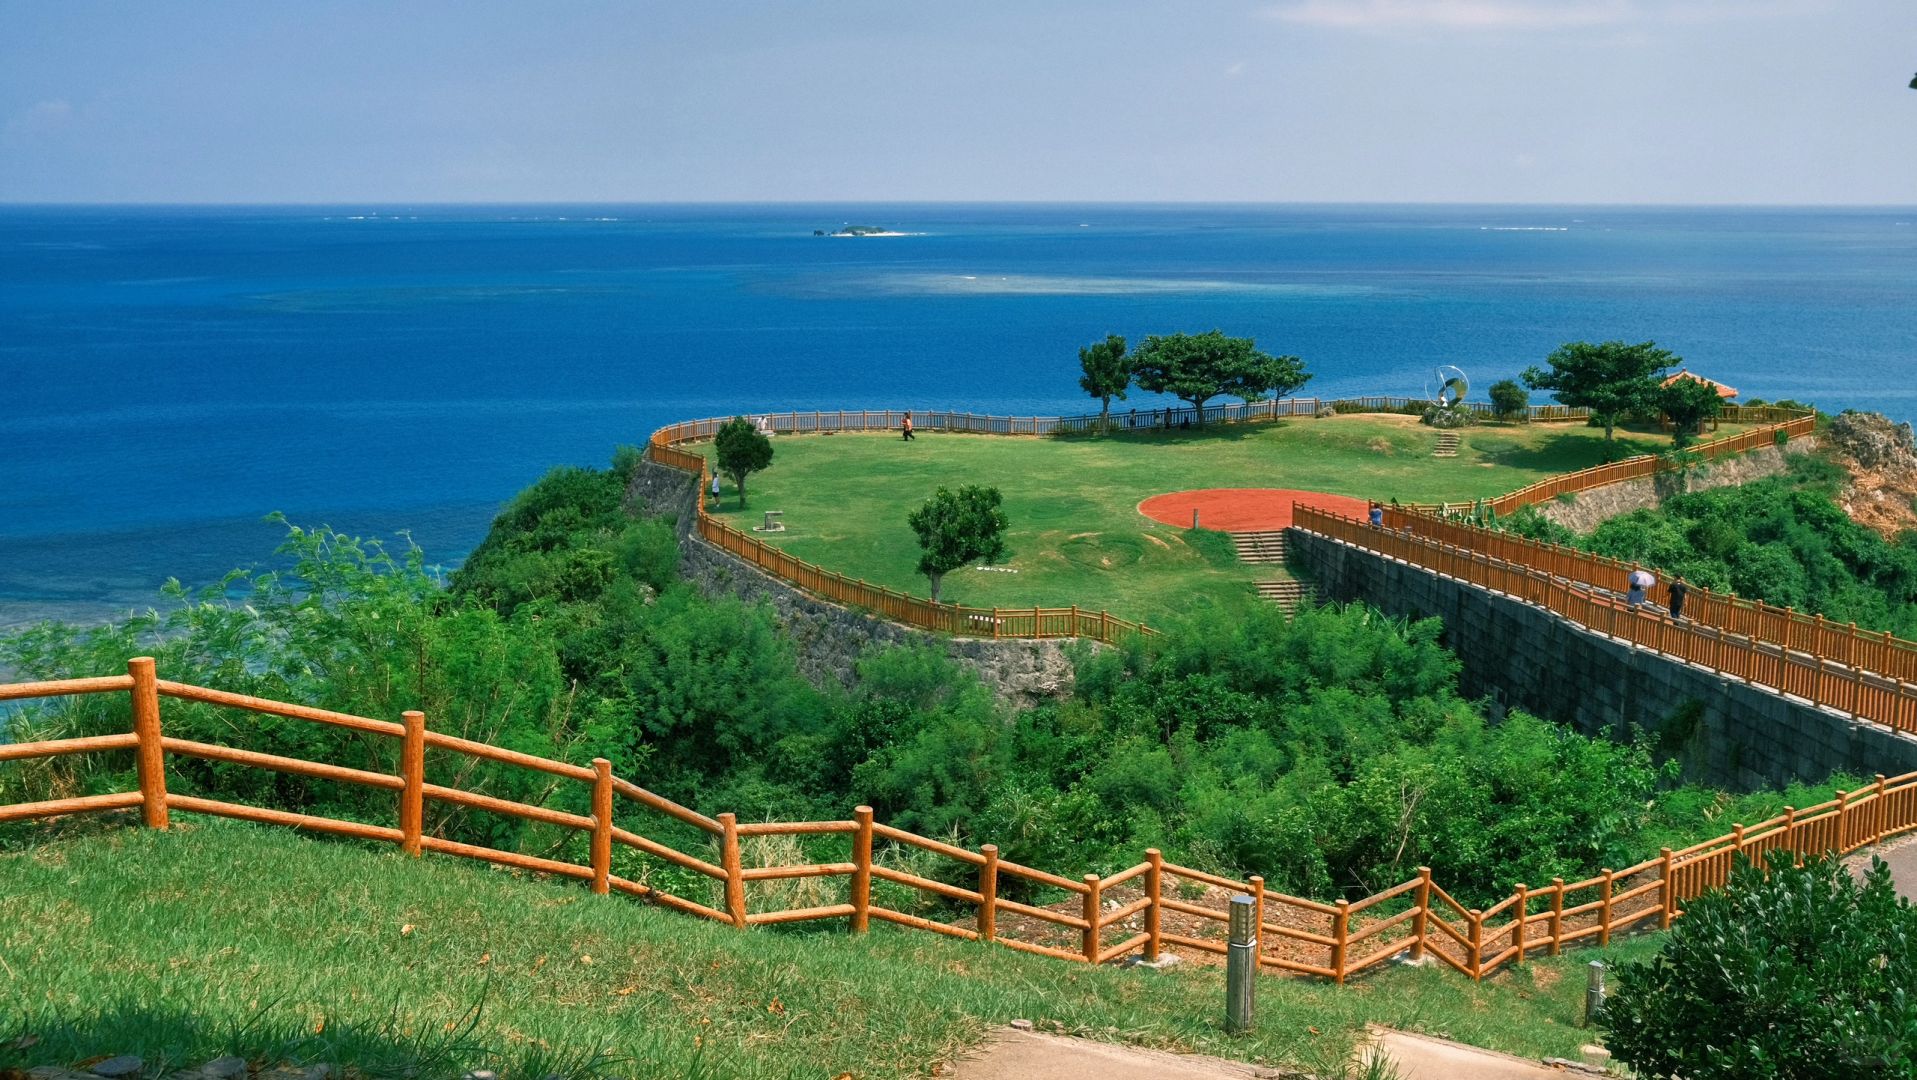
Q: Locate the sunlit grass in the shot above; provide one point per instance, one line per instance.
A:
(217, 938)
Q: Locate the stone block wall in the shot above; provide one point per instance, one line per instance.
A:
(1726, 732)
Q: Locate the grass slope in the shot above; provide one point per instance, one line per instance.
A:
(1076, 533)
(221, 938)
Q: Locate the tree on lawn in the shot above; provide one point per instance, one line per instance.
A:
(957, 527)
(1509, 400)
(1199, 367)
(1688, 402)
(743, 450)
(1802, 974)
(1108, 374)
(1610, 379)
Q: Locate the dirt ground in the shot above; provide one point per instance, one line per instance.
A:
(1242, 509)
(1028, 1055)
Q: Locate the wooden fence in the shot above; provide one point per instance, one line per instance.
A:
(1101, 918)
(1798, 424)
(1842, 643)
(1861, 693)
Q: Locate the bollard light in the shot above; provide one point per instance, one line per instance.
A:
(1241, 966)
(1594, 992)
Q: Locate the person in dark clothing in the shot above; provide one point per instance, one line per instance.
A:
(1678, 591)
(906, 427)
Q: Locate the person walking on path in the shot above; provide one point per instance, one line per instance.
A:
(1639, 581)
(1377, 515)
(906, 426)
(1678, 591)
(715, 487)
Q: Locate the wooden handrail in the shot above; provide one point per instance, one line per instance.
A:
(1853, 820)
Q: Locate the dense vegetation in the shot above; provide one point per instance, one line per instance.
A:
(1783, 540)
(1329, 753)
(1800, 974)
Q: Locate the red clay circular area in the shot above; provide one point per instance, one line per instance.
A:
(1243, 509)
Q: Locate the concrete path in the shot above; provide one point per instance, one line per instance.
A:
(1028, 1055)
(1901, 854)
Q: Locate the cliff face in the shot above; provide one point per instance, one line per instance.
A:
(1881, 457)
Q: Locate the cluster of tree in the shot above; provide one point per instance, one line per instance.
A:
(1194, 368)
(1783, 540)
(1330, 753)
(1615, 379)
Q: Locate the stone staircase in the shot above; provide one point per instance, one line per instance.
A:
(1268, 549)
(1260, 547)
(1288, 594)
(1447, 444)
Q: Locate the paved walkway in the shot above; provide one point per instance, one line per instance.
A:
(1901, 854)
(1028, 1055)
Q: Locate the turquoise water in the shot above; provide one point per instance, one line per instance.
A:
(169, 376)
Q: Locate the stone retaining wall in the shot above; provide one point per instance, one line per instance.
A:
(1727, 732)
(828, 638)
(1591, 508)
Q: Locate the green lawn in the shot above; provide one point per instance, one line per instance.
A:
(1076, 534)
(220, 938)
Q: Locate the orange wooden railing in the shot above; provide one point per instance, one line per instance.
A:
(1297, 935)
(1861, 693)
(1793, 424)
(1842, 643)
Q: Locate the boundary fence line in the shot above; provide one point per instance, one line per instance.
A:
(1417, 917)
(1863, 694)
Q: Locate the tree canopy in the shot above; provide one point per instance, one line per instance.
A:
(1509, 399)
(1799, 974)
(955, 528)
(1107, 373)
(743, 450)
(1688, 402)
(1609, 379)
(1199, 367)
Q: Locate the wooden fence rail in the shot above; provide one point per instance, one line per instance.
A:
(1858, 692)
(1101, 919)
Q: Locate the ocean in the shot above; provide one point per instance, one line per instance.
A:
(169, 376)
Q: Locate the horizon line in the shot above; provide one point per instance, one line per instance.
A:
(1459, 203)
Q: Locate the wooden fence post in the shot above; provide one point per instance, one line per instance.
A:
(1604, 908)
(1667, 892)
(1879, 820)
(151, 759)
(1477, 945)
(1154, 891)
(1258, 912)
(1790, 836)
(412, 773)
(1340, 933)
(601, 826)
(729, 862)
(1092, 911)
(988, 894)
(1557, 915)
(1517, 928)
(861, 869)
(1843, 820)
(1420, 921)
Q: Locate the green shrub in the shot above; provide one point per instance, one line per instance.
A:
(1805, 974)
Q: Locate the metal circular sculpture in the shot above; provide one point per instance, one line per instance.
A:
(1452, 386)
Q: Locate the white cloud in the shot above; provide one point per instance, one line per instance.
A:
(1235, 70)
(41, 117)
(1528, 14)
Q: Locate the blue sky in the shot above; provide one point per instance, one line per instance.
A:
(1662, 101)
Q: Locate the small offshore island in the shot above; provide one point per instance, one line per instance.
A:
(860, 230)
